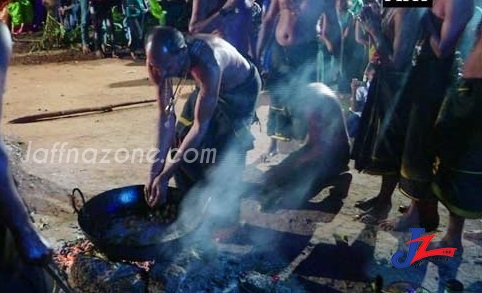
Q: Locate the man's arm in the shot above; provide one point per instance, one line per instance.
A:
(324, 27)
(200, 22)
(406, 24)
(206, 102)
(359, 38)
(267, 28)
(12, 210)
(165, 127)
(457, 15)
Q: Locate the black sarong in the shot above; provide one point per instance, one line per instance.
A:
(458, 179)
(229, 128)
(379, 144)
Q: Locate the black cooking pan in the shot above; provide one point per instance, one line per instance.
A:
(101, 219)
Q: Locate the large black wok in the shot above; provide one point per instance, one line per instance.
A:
(99, 216)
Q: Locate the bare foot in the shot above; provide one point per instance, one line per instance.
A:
(133, 56)
(403, 223)
(374, 215)
(99, 54)
(85, 49)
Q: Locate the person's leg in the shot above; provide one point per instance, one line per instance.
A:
(110, 29)
(84, 25)
(453, 236)
(378, 207)
(389, 183)
(96, 16)
(420, 213)
(75, 15)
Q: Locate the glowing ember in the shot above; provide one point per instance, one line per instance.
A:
(66, 255)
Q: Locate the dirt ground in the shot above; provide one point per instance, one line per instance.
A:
(55, 81)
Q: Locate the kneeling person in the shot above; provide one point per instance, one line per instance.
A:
(217, 116)
(323, 159)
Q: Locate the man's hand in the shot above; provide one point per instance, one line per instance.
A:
(32, 246)
(156, 190)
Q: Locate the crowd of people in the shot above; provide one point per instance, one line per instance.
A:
(412, 120)
(393, 123)
(95, 20)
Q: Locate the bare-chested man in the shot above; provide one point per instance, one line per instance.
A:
(229, 19)
(459, 129)
(18, 275)
(293, 55)
(444, 24)
(323, 159)
(218, 117)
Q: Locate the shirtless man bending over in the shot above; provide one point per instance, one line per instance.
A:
(218, 117)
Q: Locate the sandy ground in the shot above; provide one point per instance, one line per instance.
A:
(34, 89)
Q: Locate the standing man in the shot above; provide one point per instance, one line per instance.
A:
(293, 55)
(443, 25)
(229, 19)
(458, 178)
(218, 117)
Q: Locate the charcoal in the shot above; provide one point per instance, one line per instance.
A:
(255, 282)
(93, 274)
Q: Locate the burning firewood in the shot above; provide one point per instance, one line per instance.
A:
(90, 271)
(66, 255)
(94, 274)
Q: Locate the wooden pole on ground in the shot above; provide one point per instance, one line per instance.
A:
(58, 114)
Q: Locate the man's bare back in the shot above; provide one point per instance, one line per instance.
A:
(297, 21)
(233, 67)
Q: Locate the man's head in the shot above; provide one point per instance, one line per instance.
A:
(166, 51)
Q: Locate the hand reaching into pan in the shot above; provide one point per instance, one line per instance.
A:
(156, 191)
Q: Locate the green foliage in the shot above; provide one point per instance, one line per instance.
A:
(158, 12)
(56, 36)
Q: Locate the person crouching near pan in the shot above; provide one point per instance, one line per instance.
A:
(217, 115)
(323, 159)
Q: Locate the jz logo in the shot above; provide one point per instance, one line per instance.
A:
(407, 3)
(416, 253)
